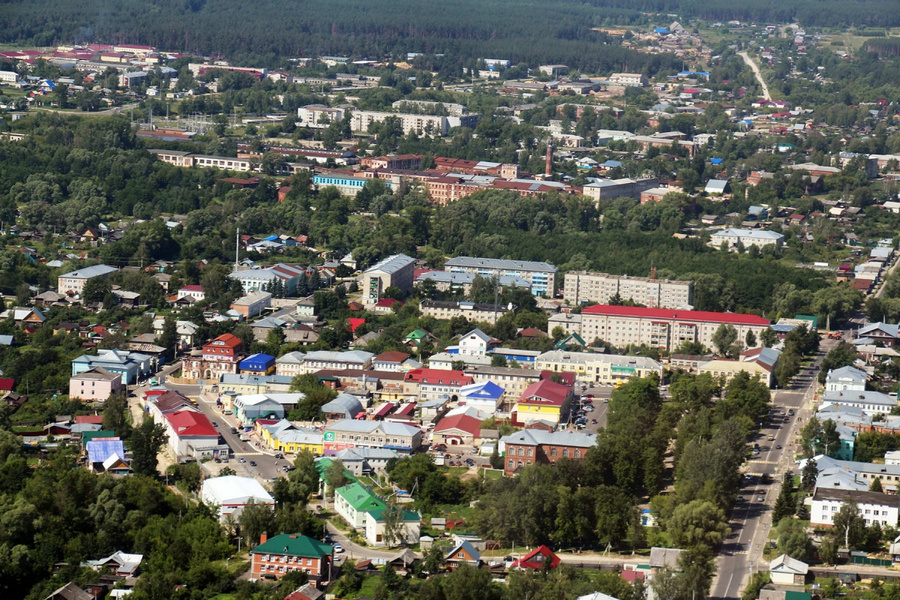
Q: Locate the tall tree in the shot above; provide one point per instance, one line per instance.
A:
(115, 415)
(146, 441)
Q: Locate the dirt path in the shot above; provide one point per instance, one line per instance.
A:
(752, 64)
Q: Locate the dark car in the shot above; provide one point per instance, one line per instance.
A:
(279, 456)
(215, 424)
(252, 463)
(234, 430)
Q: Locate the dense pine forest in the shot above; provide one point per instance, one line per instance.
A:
(522, 31)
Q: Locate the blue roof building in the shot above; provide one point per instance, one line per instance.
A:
(258, 364)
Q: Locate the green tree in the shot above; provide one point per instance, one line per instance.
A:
(169, 337)
(335, 476)
(147, 440)
(724, 338)
(115, 415)
(849, 525)
(876, 486)
(698, 523)
(256, 519)
(809, 475)
(768, 337)
(784, 504)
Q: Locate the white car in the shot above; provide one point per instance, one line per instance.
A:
(338, 549)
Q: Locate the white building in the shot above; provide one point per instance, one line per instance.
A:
(785, 570)
(746, 237)
(327, 359)
(394, 271)
(874, 507)
(232, 493)
(542, 275)
(871, 403)
(591, 368)
(846, 379)
(290, 364)
(74, 281)
(581, 287)
(475, 343)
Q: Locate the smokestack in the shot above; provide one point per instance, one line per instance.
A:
(548, 168)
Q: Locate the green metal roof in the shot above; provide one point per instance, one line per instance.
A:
(90, 435)
(407, 515)
(294, 544)
(359, 497)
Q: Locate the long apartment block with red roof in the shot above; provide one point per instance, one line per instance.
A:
(661, 328)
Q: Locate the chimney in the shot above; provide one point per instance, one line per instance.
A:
(263, 537)
(548, 168)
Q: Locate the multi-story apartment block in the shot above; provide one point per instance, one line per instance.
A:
(591, 368)
(74, 281)
(661, 328)
(472, 311)
(319, 116)
(394, 271)
(462, 282)
(582, 287)
(541, 275)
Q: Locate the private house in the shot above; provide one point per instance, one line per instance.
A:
(476, 343)
(131, 366)
(24, 315)
(484, 396)
(530, 446)
(885, 333)
(192, 436)
(73, 282)
(94, 384)
(274, 558)
(394, 271)
(846, 379)
(194, 292)
(120, 563)
(186, 330)
(463, 553)
(537, 559)
(543, 400)
(785, 570)
(231, 493)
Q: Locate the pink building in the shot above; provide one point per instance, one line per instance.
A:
(94, 384)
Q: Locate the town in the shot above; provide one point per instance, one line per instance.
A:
(428, 325)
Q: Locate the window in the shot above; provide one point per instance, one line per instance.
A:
(553, 452)
(566, 453)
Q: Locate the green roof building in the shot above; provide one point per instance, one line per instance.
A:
(353, 501)
(284, 553)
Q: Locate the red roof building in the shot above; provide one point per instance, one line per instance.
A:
(457, 430)
(218, 357)
(89, 420)
(7, 384)
(187, 423)
(537, 558)
(430, 384)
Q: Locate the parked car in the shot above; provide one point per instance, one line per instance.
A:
(234, 430)
(243, 460)
(252, 463)
(214, 424)
(338, 549)
(279, 456)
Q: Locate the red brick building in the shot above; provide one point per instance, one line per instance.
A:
(284, 553)
(535, 446)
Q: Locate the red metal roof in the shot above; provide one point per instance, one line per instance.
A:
(444, 376)
(89, 419)
(684, 315)
(7, 384)
(466, 423)
(545, 392)
(227, 340)
(191, 424)
(536, 558)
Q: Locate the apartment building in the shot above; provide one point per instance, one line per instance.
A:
(255, 280)
(591, 368)
(394, 271)
(619, 188)
(628, 79)
(462, 282)
(746, 237)
(541, 275)
(360, 120)
(661, 328)
(349, 433)
(472, 311)
(582, 287)
(74, 281)
(187, 159)
(319, 116)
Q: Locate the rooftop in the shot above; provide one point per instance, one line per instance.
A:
(685, 315)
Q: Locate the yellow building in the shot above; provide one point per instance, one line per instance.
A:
(544, 400)
(590, 368)
(728, 369)
(286, 437)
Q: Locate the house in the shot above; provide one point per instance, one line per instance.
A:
(393, 361)
(541, 275)
(121, 563)
(485, 396)
(476, 343)
(192, 435)
(785, 570)
(186, 330)
(100, 451)
(428, 384)
(366, 461)
(848, 379)
(888, 335)
(727, 369)
(543, 400)
(252, 304)
(284, 436)
(285, 553)
(132, 366)
(539, 558)
(460, 429)
(349, 433)
(217, 357)
(249, 408)
(231, 493)
(326, 359)
(70, 591)
(94, 384)
(416, 337)
(195, 292)
(531, 446)
(307, 591)
(665, 558)
(717, 187)
(257, 364)
(463, 553)
(24, 315)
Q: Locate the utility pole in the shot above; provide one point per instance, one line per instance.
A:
(237, 246)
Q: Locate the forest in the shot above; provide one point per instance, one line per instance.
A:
(524, 31)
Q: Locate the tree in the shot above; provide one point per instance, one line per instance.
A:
(169, 337)
(768, 337)
(698, 523)
(840, 356)
(750, 340)
(724, 339)
(146, 442)
(394, 529)
(785, 505)
(335, 476)
(876, 486)
(255, 520)
(95, 289)
(496, 459)
(115, 415)
(849, 525)
(793, 540)
(828, 550)
(809, 475)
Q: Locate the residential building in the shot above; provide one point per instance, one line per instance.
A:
(592, 368)
(257, 364)
(353, 501)
(253, 304)
(218, 357)
(131, 366)
(186, 330)
(192, 435)
(72, 283)
(582, 287)
(231, 493)
(290, 364)
(513, 381)
(732, 237)
(430, 384)
(570, 323)
(541, 275)
(874, 507)
(350, 434)
(247, 409)
(473, 311)
(462, 283)
(609, 189)
(366, 461)
(394, 362)
(846, 379)
(662, 328)
(785, 570)
(463, 553)
(327, 359)
(319, 116)
(394, 271)
(476, 343)
(485, 396)
(885, 333)
(888, 474)
(727, 369)
(285, 553)
(410, 527)
(195, 292)
(94, 384)
(460, 429)
(284, 436)
(245, 384)
(628, 79)
(361, 120)
(255, 280)
(536, 446)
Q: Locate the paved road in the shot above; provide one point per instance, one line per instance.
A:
(885, 278)
(751, 520)
(753, 67)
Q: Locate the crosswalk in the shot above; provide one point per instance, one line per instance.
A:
(248, 453)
